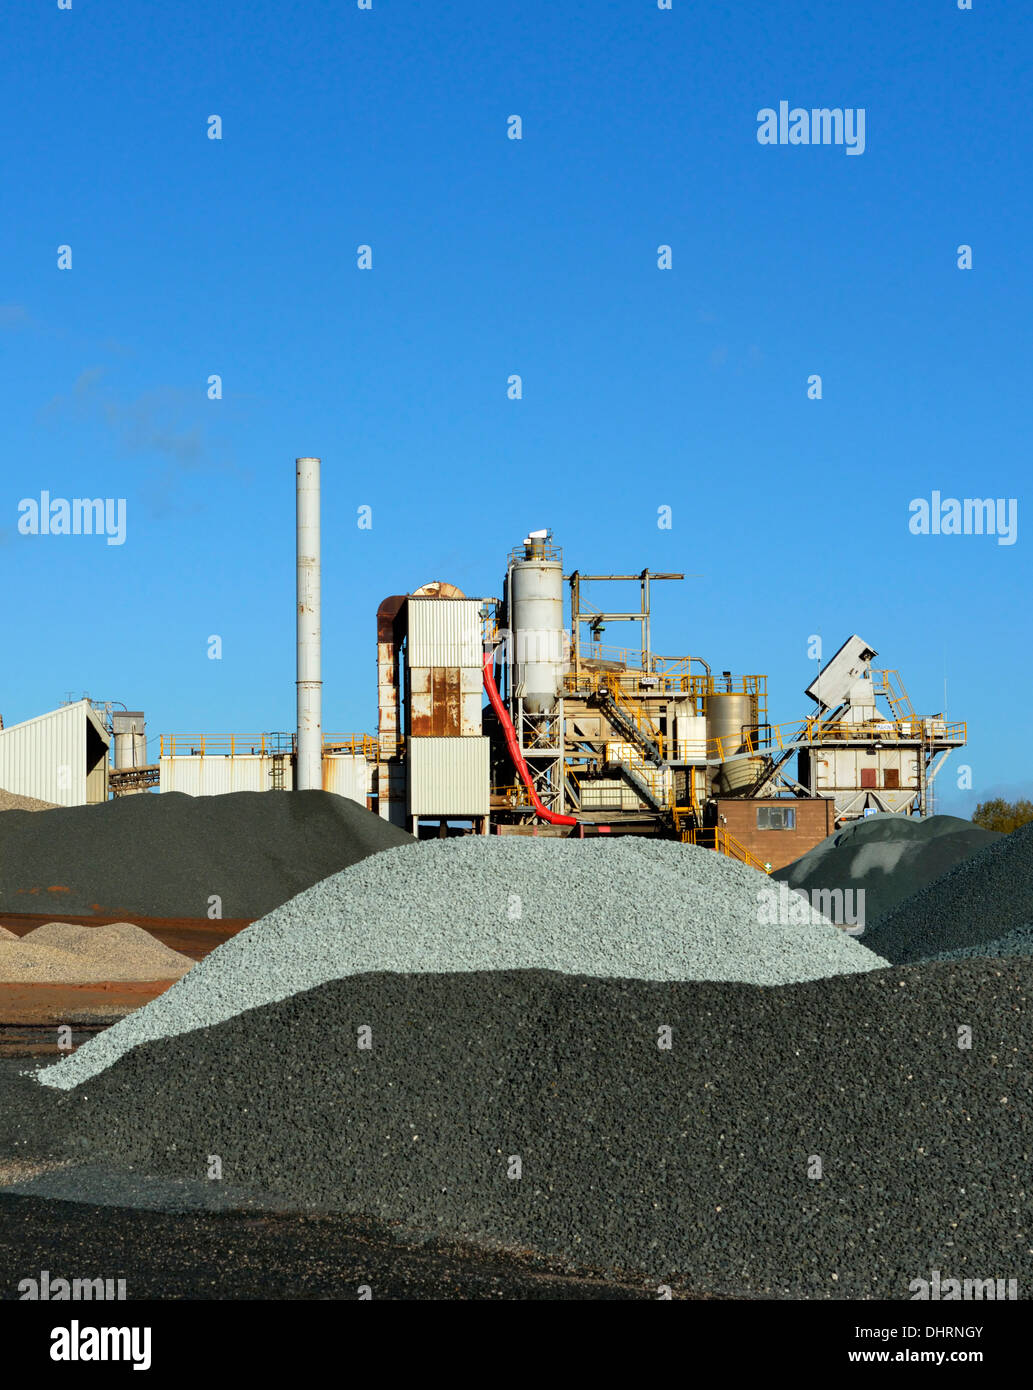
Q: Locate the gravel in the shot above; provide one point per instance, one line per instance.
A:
(628, 908)
(695, 1166)
(174, 1238)
(977, 902)
(1017, 942)
(889, 857)
(169, 855)
(11, 801)
(74, 954)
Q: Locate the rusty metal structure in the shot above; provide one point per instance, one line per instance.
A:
(433, 753)
(580, 738)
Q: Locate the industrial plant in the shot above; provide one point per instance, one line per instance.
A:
(508, 715)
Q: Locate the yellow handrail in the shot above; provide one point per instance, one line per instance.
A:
(724, 843)
(264, 745)
(781, 737)
(632, 709)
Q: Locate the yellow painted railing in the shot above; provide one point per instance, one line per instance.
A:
(355, 744)
(718, 839)
(264, 745)
(669, 681)
(631, 709)
(777, 738)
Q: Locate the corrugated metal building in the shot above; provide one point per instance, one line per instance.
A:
(214, 774)
(447, 757)
(61, 757)
(349, 775)
(443, 661)
(448, 777)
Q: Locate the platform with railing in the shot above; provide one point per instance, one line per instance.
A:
(269, 745)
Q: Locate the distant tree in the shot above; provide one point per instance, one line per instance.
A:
(1002, 815)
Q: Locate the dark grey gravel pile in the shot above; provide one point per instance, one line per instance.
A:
(977, 902)
(684, 1166)
(165, 856)
(890, 857)
(1017, 942)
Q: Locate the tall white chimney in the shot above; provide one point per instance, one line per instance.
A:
(310, 684)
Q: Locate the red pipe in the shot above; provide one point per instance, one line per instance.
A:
(552, 817)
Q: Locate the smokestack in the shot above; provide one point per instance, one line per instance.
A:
(310, 684)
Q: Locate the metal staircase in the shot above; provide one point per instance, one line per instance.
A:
(896, 696)
(641, 777)
(630, 721)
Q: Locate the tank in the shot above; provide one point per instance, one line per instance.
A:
(130, 730)
(737, 776)
(536, 620)
(730, 718)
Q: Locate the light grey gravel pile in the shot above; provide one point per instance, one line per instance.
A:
(625, 908)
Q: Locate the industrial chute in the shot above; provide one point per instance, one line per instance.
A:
(542, 811)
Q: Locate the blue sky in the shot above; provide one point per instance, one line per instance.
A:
(642, 388)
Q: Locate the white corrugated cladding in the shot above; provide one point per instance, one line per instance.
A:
(46, 757)
(609, 794)
(214, 774)
(347, 774)
(445, 632)
(448, 777)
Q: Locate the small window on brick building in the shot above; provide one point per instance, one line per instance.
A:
(891, 778)
(868, 777)
(776, 818)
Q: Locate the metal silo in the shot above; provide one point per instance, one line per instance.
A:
(130, 730)
(731, 718)
(536, 622)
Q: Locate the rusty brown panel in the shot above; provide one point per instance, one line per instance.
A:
(421, 701)
(435, 702)
(421, 721)
(452, 702)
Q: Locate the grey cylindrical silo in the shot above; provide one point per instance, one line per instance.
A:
(130, 730)
(536, 620)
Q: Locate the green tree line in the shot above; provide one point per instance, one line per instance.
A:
(1002, 815)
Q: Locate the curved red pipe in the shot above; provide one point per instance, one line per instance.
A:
(552, 817)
